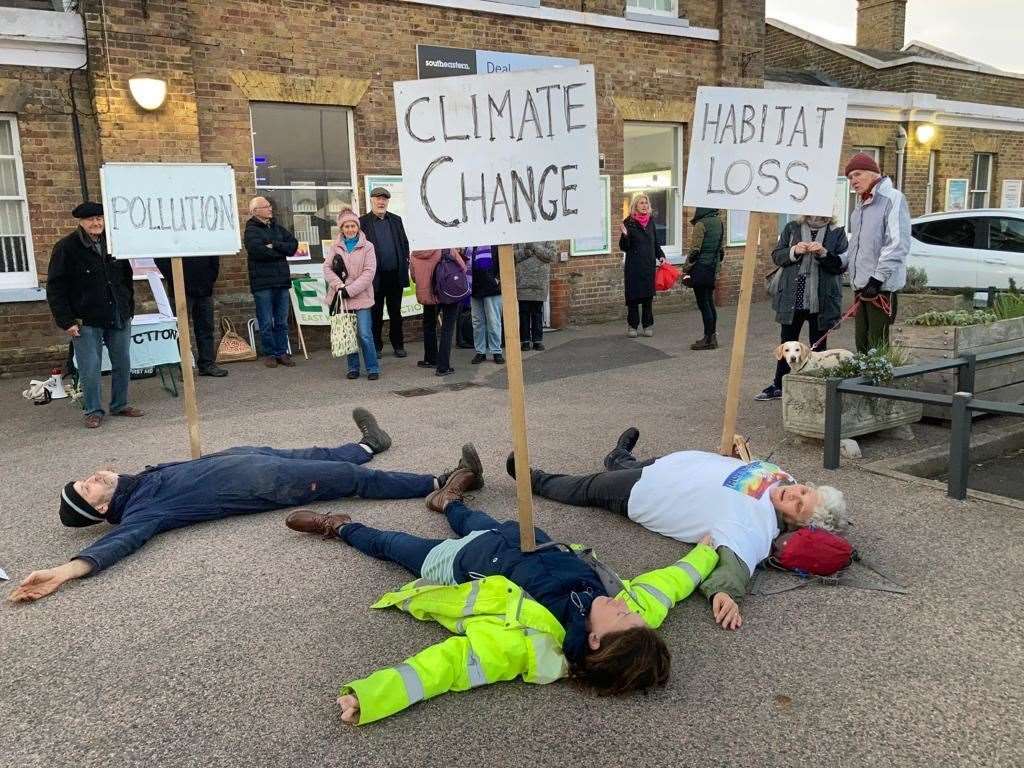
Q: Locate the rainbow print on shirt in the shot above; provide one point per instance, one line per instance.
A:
(755, 478)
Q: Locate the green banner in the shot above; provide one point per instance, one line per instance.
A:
(309, 296)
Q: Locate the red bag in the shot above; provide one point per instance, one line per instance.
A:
(665, 276)
(811, 551)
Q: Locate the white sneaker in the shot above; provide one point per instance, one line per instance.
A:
(649, 331)
(631, 332)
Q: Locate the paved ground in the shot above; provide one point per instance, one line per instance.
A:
(224, 644)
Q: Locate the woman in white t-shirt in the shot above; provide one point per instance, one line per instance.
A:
(684, 495)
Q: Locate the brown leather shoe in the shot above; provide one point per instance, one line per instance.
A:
(459, 481)
(305, 521)
(129, 411)
(270, 362)
(93, 420)
(286, 361)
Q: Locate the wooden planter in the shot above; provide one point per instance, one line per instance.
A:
(914, 304)
(803, 410)
(1000, 380)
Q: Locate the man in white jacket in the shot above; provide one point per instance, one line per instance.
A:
(687, 494)
(879, 247)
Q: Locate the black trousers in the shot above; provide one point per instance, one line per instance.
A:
(791, 332)
(608, 490)
(200, 310)
(390, 293)
(633, 312)
(531, 321)
(437, 350)
(705, 295)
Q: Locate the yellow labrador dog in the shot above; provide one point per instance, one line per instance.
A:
(799, 356)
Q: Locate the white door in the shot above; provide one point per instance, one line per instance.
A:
(1003, 254)
(946, 250)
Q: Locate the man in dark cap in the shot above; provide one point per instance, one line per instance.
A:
(92, 300)
(387, 233)
(239, 481)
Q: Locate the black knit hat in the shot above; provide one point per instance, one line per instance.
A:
(76, 512)
(87, 209)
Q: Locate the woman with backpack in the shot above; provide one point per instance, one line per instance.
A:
(349, 267)
(639, 243)
(806, 285)
(703, 263)
(436, 276)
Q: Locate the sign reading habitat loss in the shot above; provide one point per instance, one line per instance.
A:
(500, 158)
(170, 209)
(765, 150)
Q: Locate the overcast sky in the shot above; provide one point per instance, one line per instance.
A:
(991, 31)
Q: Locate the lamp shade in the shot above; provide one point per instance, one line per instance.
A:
(924, 133)
(148, 92)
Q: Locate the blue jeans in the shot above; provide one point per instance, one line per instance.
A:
(487, 325)
(89, 355)
(272, 316)
(407, 550)
(364, 327)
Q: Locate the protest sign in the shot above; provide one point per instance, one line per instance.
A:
(309, 296)
(764, 151)
(172, 210)
(500, 158)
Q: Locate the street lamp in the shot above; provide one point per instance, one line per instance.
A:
(924, 133)
(148, 92)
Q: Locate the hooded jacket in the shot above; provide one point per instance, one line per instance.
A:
(533, 270)
(879, 238)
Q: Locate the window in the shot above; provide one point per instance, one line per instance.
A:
(981, 180)
(304, 159)
(876, 154)
(957, 233)
(17, 263)
(660, 7)
(1006, 235)
(652, 157)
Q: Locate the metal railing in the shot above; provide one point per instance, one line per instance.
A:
(962, 403)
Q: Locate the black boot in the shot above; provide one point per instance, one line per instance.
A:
(374, 438)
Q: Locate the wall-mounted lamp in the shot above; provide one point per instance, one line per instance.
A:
(924, 133)
(148, 92)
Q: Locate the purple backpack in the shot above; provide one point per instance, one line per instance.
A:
(450, 283)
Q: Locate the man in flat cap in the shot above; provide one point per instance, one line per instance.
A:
(238, 481)
(387, 233)
(92, 300)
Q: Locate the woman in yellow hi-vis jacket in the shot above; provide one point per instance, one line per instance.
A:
(542, 615)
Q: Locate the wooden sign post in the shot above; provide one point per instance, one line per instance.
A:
(172, 210)
(502, 158)
(764, 151)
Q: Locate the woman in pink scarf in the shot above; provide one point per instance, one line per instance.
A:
(639, 243)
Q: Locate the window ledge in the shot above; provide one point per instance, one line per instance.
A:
(14, 295)
(655, 18)
(527, 3)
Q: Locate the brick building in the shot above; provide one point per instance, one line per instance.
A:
(929, 116)
(296, 95)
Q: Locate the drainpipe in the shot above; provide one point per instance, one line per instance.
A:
(76, 130)
(901, 148)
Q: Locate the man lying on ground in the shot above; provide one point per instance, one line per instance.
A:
(541, 615)
(238, 481)
(688, 493)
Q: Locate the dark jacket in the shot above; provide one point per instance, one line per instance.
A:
(200, 274)
(84, 286)
(705, 253)
(830, 267)
(642, 253)
(483, 260)
(269, 246)
(401, 243)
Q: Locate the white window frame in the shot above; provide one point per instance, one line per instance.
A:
(987, 189)
(303, 267)
(29, 279)
(674, 252)
(640, 6)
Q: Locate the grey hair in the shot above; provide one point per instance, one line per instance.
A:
(830, 511)
(802, 218)
(253, 202)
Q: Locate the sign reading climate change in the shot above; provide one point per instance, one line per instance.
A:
(765, 150)
(170, 209)
(500, 158)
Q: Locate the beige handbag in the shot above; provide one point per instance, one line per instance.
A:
(344, 338)
(233, 348)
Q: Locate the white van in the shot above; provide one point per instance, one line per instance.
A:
(978, 248)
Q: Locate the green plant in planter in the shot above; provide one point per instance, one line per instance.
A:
(876, 365)
(917, 281)
(1008, 305)
(960, 317)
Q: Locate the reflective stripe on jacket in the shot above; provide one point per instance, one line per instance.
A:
(501, 633)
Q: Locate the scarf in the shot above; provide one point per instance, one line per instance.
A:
(809, 267)
(871, 190)
(350, 243)
(642, 219)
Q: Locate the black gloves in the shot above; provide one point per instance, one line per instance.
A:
(870, 290)
(344, 293)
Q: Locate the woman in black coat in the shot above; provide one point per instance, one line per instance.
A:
(807, 286)
(639, 243)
